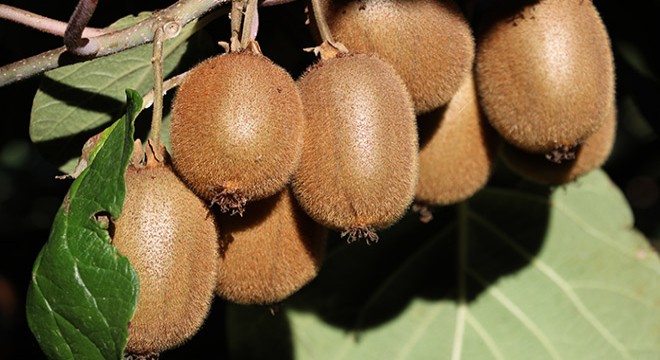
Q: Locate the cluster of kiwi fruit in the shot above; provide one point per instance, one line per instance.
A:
(262, 166)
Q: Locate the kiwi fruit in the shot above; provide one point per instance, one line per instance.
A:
(429, 42)
(590, 155)
(545, 72)
(166, 233)
(359, 164)
(270, 252)
(236, 132)
(458, 150)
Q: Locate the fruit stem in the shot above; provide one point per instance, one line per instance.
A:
(321, 24)
(324, 31)
(250, 24)
(236, 22)
(157, 63)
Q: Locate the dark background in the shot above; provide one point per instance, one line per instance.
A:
(30, 195)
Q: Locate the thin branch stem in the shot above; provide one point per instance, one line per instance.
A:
(73, 39)
(181, 13)
(157, 63)
(169, 84)
(41, 23)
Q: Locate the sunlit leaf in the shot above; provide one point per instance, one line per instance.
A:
(83, 292)
(511, 274)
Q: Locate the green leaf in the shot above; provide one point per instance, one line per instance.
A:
(83, 292)
(77, 101)
(510, 274)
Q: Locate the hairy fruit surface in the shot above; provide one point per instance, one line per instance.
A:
(590, 155)
(429, 42)
(359, 164)
(236, 129)
(170, 240)
(545, 72)
(270, 253)
(458, 149)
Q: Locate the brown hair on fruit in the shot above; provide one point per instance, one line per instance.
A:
(457, 152)
(590, 155)
(545, 72)
(429, 42)
(269, 253)
(359, 164)
(236, 129)
(165, 232)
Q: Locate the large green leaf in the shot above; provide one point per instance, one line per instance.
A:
(74, 102)
(510, 274)
(83, 292)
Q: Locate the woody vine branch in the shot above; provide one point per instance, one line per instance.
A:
(178, 14)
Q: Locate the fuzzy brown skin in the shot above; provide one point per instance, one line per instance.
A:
(359, 164)
(589, 156)
(545, 73)
(270, 253)
(429, 42)
(170, 240)
(236, 128)
(458, 150)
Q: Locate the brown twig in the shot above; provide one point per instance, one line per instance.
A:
(181, 13)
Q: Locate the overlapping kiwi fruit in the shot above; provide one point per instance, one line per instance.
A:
(236, 129)
(545, 72)
(458, 149)
(269, 253)
(359, 164)
(591, 154)
(344, 137)
(429, 42)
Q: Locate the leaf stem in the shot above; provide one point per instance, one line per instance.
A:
(42, 23)
(182, 12)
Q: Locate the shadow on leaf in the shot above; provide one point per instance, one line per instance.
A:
(452, 259)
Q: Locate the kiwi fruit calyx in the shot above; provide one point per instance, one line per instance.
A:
(562, 153)
(149, 155)
(228, 200)
(328, 50)
(356, 233)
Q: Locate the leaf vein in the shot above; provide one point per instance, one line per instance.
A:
(516, 312)
(558, 280)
